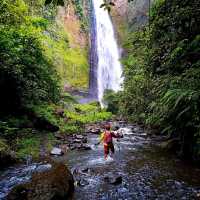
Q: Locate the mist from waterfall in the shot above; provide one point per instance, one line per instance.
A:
(109, 69)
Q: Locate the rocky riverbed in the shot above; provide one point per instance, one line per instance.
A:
(138, 170)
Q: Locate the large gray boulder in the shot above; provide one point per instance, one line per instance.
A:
(54, 184)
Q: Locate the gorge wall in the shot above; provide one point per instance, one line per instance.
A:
(74, 20)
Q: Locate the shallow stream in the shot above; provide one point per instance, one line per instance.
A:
(138, 170)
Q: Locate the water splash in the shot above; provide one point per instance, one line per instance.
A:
(109, 69)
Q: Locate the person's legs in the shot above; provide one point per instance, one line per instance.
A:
(112, 148)
(106, 151)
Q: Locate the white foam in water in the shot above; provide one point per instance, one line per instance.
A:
(100, 160)
(125, 131)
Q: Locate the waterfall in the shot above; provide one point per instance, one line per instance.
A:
(108, 70)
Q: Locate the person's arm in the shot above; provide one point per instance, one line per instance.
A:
(116, 135)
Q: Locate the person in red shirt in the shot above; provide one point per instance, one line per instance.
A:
(107, 138)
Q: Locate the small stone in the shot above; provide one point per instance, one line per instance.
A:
(95, 131)
(79, 137)
(56, 152)
(77, 141)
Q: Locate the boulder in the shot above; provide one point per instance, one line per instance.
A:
(95, 131)
(56, 152)
(54, 184)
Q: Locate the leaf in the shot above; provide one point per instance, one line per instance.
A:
(48, 2)
(112, 4)
(178, 100)
(108, 9)
(181, 113)
(102, 5)
(60, 3)
(166, 129)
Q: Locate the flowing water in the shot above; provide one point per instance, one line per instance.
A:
(104, 46)
(146, 172)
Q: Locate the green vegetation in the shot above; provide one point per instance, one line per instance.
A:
(28, 140)
(35, 56)
(36, 61)
(79, 9)
(74, 118)
(111, 100)
(28, 147)
(162, 74)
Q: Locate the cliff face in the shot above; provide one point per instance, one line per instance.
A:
(137, 13)
(119, 18)
(74, 19)
(73, 26)
(129, 15)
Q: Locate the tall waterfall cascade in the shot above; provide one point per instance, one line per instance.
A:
(108, 69)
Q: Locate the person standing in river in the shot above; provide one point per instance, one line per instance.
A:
(107, 138)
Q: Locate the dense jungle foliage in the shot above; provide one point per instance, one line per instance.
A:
(162, 73)
(36, 59)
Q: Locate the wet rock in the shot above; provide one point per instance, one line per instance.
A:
(64, 148)
(58, 136)
(54, 184)
(43, 168)
(95, 131)
(56, 152)
(82, 182)
(80, 137)
(77, 141)
(84, 140)
(84, 147)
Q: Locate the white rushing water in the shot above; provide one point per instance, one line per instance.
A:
(109, 69)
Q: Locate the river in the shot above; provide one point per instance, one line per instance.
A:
(138, 170)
